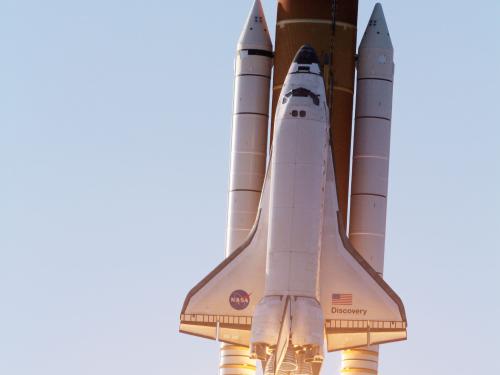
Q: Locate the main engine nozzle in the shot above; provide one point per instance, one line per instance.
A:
(295, 362)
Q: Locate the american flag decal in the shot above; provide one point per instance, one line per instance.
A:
(341, 299)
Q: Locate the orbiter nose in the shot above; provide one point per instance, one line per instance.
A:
(306, 55)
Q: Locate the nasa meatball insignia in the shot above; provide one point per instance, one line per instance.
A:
(239, 300)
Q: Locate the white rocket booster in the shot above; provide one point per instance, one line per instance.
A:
(253, 65)
(372, 140)
(296, 279)
(371, 160)
(252, 82)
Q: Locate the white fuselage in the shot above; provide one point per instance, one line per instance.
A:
(296, 211)
(297, 190)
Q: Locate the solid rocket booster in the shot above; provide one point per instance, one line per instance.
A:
(371, 159)
(372, 141)
(311, 22)
(253, 66)
(252, 82)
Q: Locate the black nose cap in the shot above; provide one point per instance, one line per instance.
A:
(306, 55)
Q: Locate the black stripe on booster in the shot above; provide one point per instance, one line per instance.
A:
(253, 75)
(375, 79)
(251, 113)
(369, 195)
(376, 117)
(243, 190)
(259, 52)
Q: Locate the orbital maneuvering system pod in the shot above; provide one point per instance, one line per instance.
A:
(293, 285)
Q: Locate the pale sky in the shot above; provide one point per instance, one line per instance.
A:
(114, 158)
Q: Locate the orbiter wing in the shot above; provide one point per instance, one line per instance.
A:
(221, 306)
(359, 307)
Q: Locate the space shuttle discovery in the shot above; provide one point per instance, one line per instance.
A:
(296, 279)
(295, 286)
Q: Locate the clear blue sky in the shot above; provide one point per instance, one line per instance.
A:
(114, 157)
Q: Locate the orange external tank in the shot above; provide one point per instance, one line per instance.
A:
(330, 27)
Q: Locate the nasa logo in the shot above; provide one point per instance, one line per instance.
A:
(239, 300)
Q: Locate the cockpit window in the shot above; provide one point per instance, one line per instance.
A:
(302, 93)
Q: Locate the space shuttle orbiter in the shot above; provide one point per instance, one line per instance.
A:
(296, 282)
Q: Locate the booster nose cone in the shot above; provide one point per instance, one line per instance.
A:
(255, 34)
(377, 33)
(306, 55)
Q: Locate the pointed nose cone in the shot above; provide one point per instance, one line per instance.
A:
(255, 34)
(377, 33)
(306, 55)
